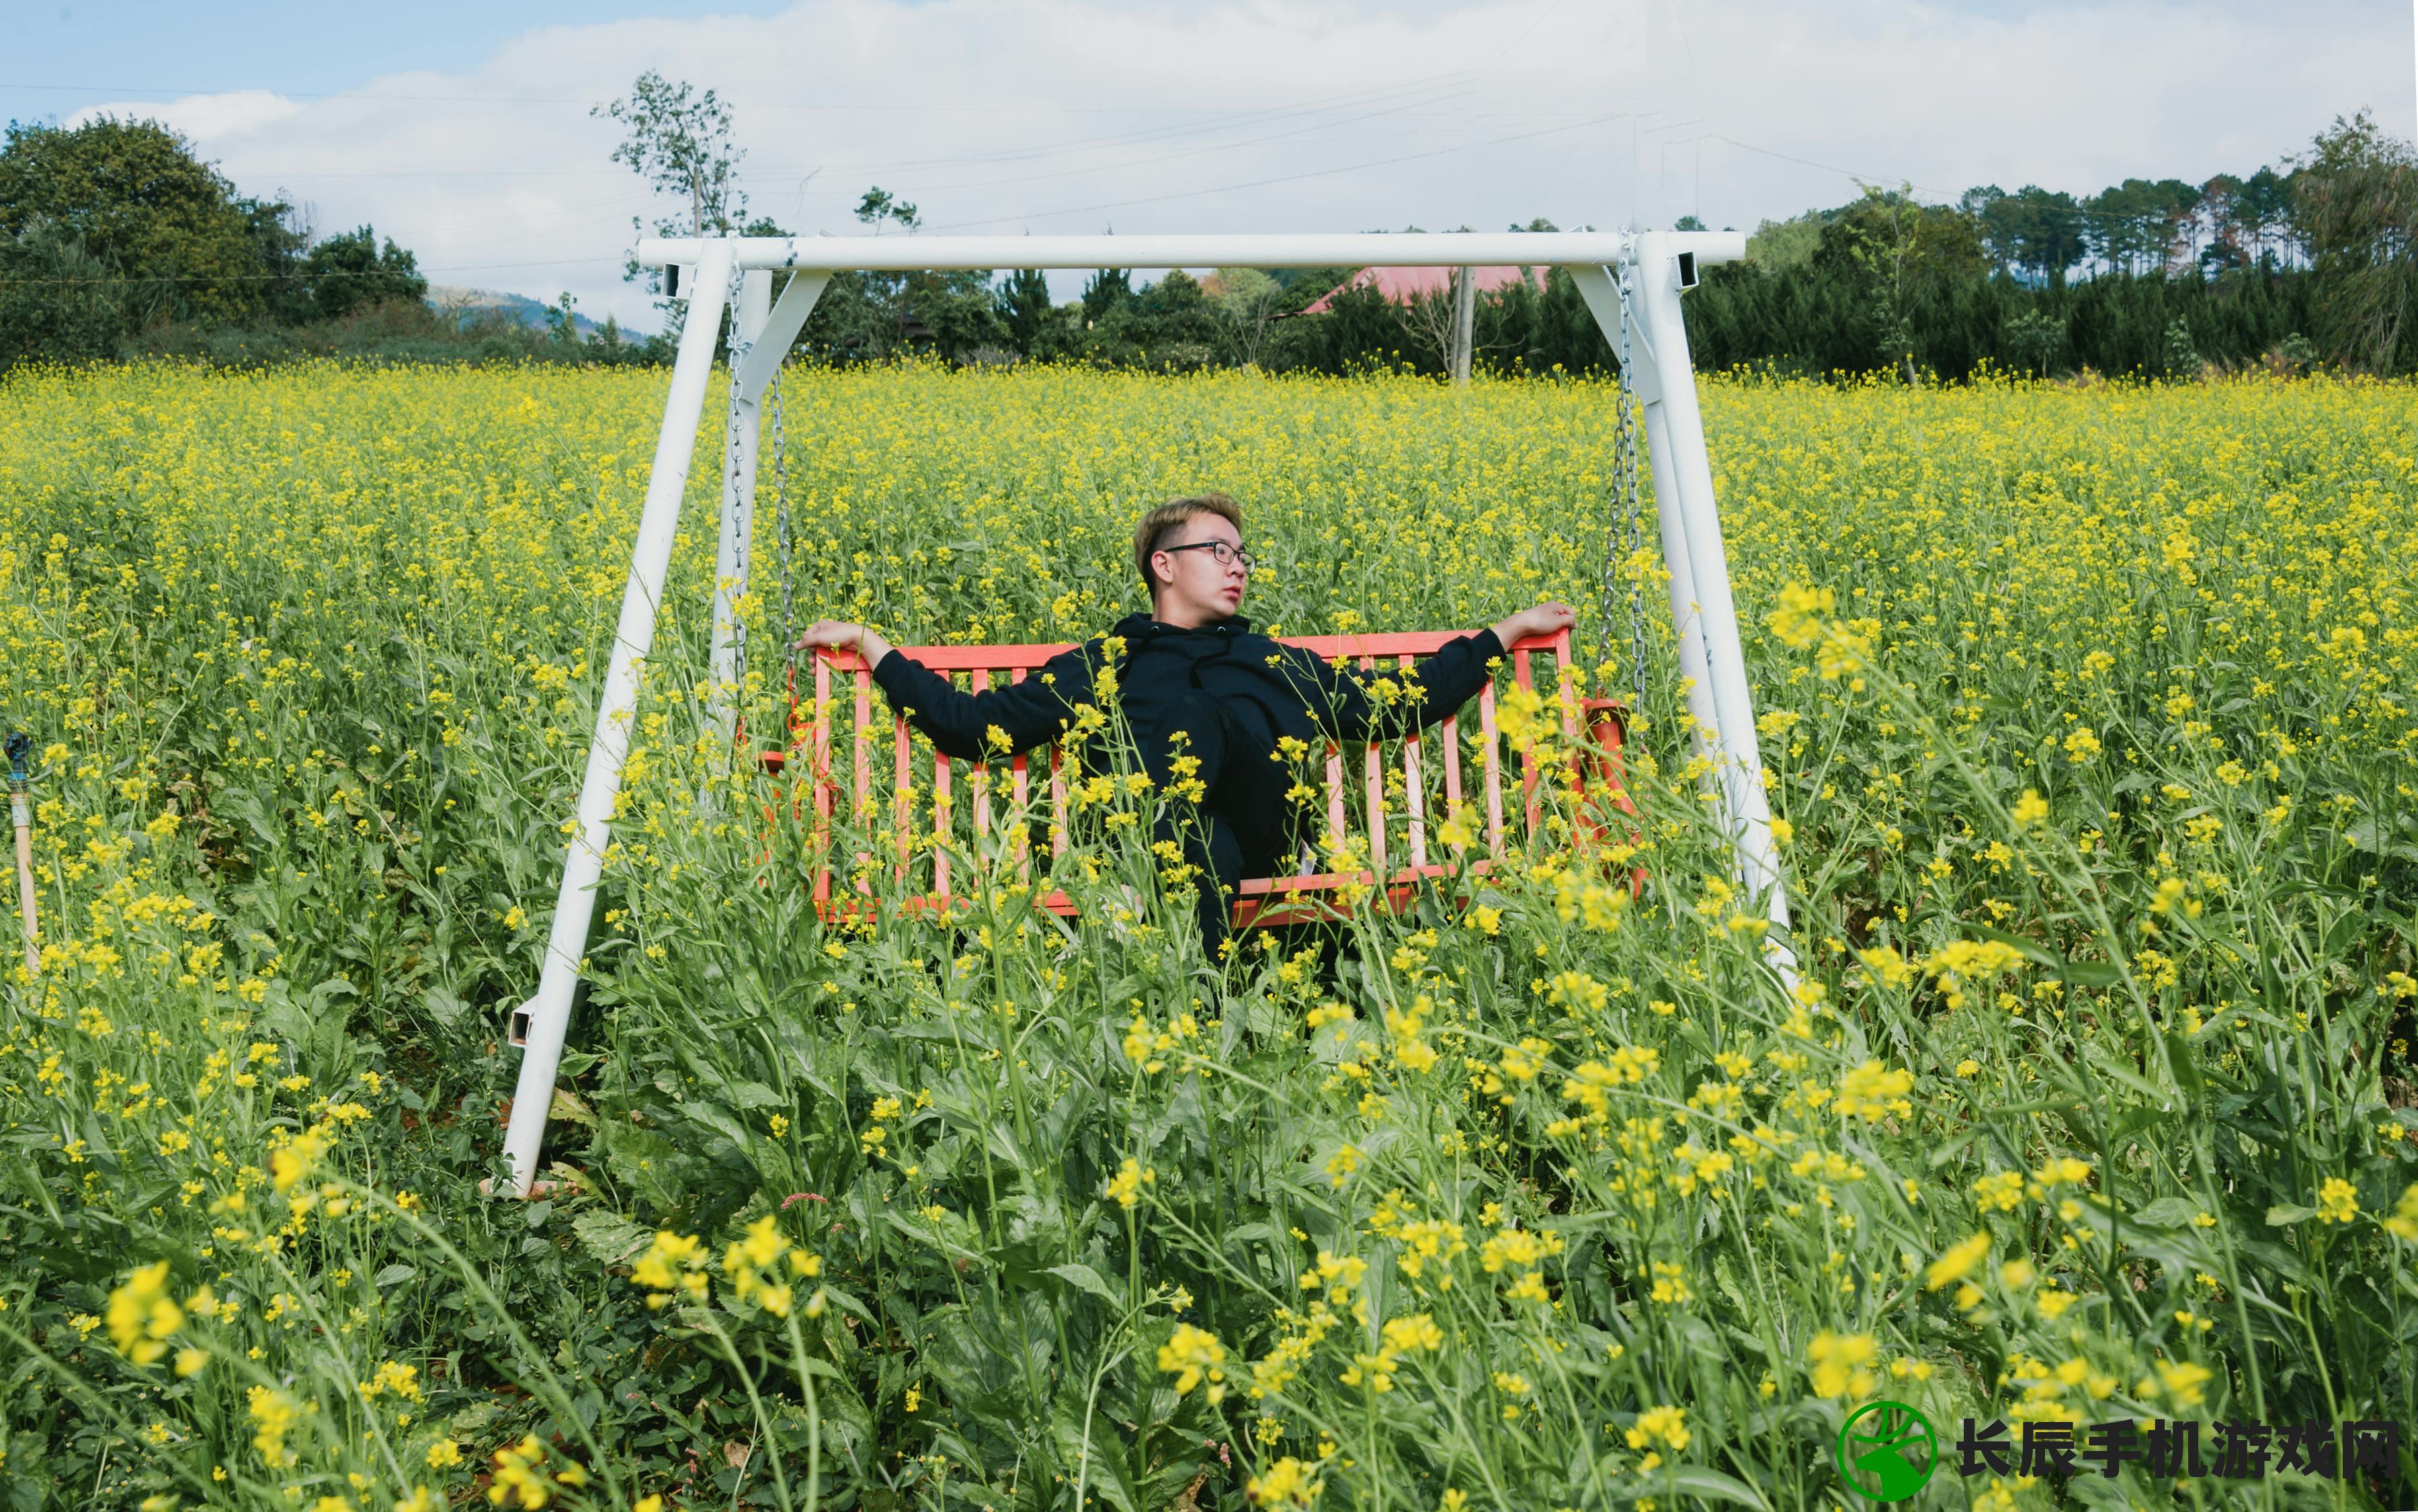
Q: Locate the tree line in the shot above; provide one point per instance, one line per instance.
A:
(115, 228)
(116, 240)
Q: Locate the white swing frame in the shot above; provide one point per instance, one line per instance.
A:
(1657, 266)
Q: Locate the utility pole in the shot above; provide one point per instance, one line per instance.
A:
(1464, 322)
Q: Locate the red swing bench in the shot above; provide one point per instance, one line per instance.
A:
(1383, 829)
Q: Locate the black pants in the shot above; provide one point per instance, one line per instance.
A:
(1243, 825)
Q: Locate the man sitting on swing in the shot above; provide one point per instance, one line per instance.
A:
(1194, 667)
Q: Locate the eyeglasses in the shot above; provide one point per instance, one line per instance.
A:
(1224, 553)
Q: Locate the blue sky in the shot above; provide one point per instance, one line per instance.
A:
(463, 129)
(156, 47)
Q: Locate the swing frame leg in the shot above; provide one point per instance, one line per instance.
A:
(1703, 614)
(538, 1025)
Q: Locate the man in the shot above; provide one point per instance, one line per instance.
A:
(1194, 681)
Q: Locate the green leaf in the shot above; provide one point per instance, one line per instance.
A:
(2186, 1062)
(720, 1120)
(392, 1275)
(2166, 1212)
(1721, 1488)
(748, 1095)
(606, 1234)
(2286, 1214)
(1083, 1278)
(1096, 1457)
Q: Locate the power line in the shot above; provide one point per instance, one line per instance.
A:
(1286, 178)
(1171, 157)
(1828, 168)
(1348, 100)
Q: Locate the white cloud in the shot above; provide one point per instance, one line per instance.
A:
(204, 117)
(1066, 116)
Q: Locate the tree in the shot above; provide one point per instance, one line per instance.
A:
(141, 206)
(2262, 209)
(57, 301)
(2032, 233)
(350, 271)
(1902, 256)
(879, 204)
(1250, 302)
(562, 319)
(2141, 225)
(1172, 324)
(1031, 320)
(870, 315)
(1105, 291)
(2034, 339)
(2178, 357)
(1780, 245)
(679, 142)
(2215, 231)
(2357, 206)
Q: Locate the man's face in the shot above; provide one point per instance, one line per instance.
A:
(1202, 589)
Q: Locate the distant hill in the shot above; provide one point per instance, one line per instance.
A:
(469, 305)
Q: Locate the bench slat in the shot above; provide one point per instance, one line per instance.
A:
(1373, 787)
(1414, 786)
(902, 794)
(1057, 802)
(863, 771)
(1451, 764)
(941, 824)
(1021, 783)
(1336, 825)
(1528, 758)
(980, 776)
(821, 781)
(1493, 768)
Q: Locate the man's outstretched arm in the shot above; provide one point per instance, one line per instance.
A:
(1537, 619)
(959, 724)
(1435, 688)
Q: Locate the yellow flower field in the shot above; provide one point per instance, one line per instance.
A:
(2087, 713)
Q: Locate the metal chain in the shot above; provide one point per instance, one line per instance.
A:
(1622, 526)
(1629, 503)
(740, 515)
(781, 513)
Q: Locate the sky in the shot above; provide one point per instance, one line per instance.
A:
(464, 132)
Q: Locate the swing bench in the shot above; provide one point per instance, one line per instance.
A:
(1378, 825)
(1632, 282)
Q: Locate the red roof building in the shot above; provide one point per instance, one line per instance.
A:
(1409, 285)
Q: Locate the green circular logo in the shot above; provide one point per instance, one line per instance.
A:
(1887, 1451)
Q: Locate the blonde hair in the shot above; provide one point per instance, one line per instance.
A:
(1162, 522)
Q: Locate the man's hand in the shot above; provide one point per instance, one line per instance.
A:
(866, 642)
(1540, 620)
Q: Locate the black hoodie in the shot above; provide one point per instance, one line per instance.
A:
(1273, 690)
